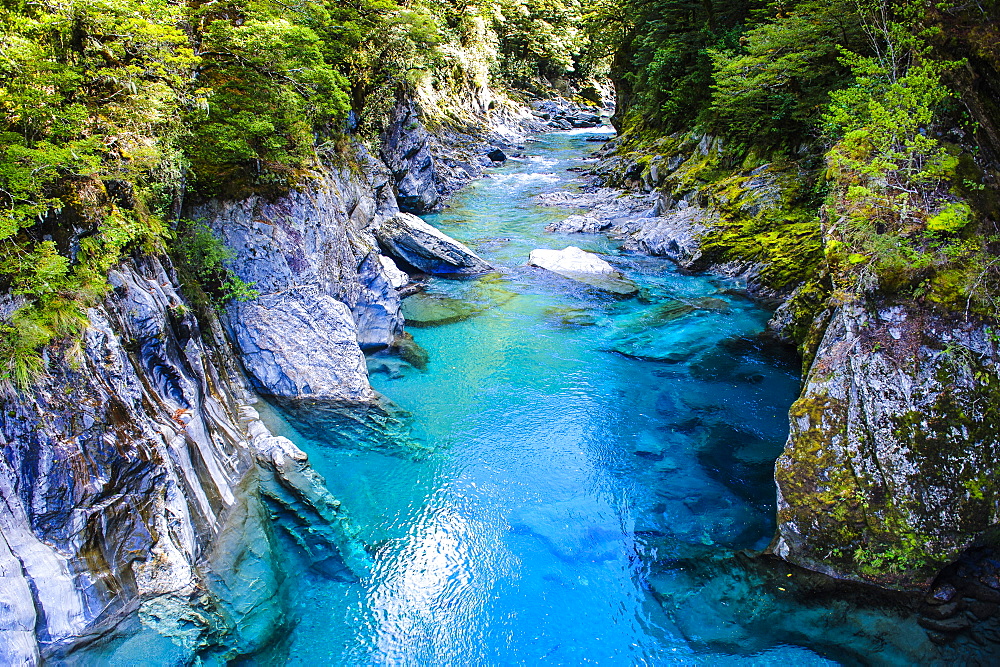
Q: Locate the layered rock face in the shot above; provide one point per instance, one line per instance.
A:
(326, 291)
(129, 475)
(888, 473)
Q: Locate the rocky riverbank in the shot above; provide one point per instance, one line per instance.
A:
(885, 477)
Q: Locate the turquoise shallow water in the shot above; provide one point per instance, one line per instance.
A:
(596, 465)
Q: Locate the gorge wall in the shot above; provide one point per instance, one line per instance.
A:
(887, 473)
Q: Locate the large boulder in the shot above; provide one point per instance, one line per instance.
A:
(414, 242)
(570, 260)
(584, 267)
(300, 343)
(888, 472)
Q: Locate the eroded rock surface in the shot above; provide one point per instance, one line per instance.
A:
(320, 235)
(888, 471)
(299, 343)
(120, 473)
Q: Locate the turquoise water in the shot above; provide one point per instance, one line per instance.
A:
(595, 467)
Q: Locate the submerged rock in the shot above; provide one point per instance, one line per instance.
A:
(411, 240)
(381, 426)
(429, 310)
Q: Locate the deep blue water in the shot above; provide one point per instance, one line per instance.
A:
(595, 466)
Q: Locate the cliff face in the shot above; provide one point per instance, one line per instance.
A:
(888, 473)
(130, 474)
(325, 290)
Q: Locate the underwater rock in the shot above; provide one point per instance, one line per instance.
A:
(300, 343)
(379, 427)
(410, 352)
(431, 310)
(572, 317)
(416, 243)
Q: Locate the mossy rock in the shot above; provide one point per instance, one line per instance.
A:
(430, 310)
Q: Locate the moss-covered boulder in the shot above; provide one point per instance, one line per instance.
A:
(889, 469)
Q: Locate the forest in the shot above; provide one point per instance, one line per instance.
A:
(118, 113)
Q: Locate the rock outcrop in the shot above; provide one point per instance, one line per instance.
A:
(427, 167)
(423, 247)
(129, 476)
(321, 235)
(888, 471)
(562, 114)
(302, 344)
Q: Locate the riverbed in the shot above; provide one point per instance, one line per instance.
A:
(591, 476)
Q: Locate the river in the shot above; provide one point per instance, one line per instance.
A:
(595, 467)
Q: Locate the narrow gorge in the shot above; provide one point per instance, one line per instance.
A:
(514, 332)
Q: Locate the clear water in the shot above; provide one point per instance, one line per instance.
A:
(596, 464)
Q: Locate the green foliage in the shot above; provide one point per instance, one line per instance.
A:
(89, 127)
(953, 217)
(204, 256)
(897, 222)
(264, 91)
(770, 89)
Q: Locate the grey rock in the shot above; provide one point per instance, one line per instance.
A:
(579, 224)
(890, 430)
(406, 151)
(301, 344)
(675, 236)
(412, 241)
(570, 261)
(321, 235)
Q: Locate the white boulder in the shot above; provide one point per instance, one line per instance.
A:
(572, 260)
(396, 277)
